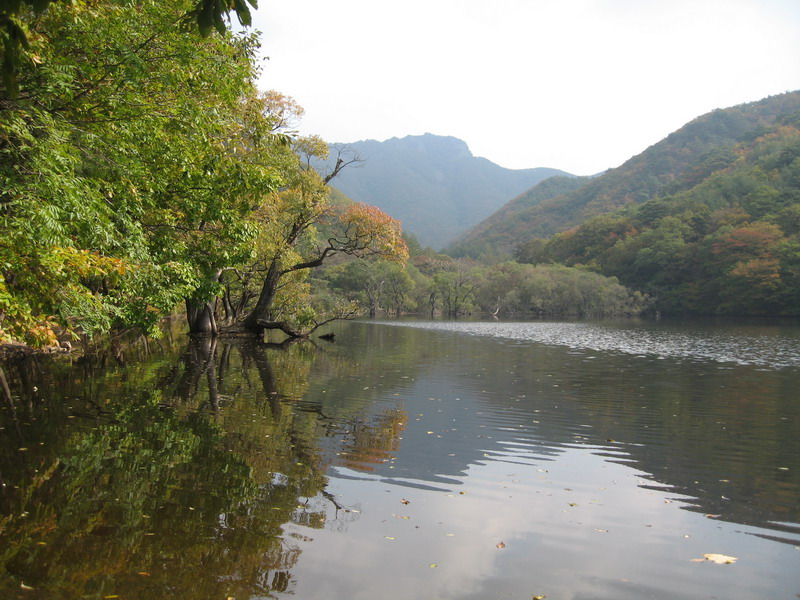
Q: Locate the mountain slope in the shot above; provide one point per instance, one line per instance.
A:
(433, 184)
(725, 242)
(512, 222)
(677, 162)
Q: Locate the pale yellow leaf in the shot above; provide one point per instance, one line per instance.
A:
(720, 559)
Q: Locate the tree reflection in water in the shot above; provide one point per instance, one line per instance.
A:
(174, 476)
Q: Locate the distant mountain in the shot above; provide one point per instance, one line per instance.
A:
(433, 184)
(499, 233)
(676, 163)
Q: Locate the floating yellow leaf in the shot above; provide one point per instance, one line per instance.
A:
(434, 565)
(719, 559)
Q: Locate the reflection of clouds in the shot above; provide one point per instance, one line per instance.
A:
(576, 527)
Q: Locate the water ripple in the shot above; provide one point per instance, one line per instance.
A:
(768, 348)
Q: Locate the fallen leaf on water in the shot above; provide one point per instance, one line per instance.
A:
(719, 559)
(22, 586)
(710, 516)
(501, 545)
(434, 565)
(143, 573)
(388, 537)
(542, 597)
(404, 501)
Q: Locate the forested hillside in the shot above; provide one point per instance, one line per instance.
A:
(432, 184)
(678, 162)
(497, 235)
(721, 238)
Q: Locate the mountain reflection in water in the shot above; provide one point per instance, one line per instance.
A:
(409, 462)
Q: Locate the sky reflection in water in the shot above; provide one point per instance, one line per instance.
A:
(603, 474)
(393, 463)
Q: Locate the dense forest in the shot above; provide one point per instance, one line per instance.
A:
(431, 284)
(682, 159)
(722, 239)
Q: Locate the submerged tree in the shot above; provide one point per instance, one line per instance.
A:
(301, 231)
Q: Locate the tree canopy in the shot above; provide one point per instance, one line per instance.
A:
(140, 165)
(725, 241)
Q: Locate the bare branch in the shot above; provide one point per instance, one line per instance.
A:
(345, 157)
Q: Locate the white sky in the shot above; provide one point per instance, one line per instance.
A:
(580, 85)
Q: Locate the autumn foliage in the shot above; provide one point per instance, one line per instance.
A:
(370, 231)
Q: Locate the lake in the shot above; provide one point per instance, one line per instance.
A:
(410, 459)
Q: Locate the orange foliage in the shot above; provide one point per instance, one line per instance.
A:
(755, 240)
(760, 271)
(374, 231)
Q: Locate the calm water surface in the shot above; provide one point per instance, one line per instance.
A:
(410, 460)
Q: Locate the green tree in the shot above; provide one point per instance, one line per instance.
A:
(290, 229)
(125, 184)
(17, 19)
(454, 286)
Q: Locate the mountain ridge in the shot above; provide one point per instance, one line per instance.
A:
(664, 167)
(433, 184)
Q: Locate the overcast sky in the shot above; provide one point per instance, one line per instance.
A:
(580, 85)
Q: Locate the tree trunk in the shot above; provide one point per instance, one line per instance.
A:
(265, 299)
(230, 311)
(200, 316)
